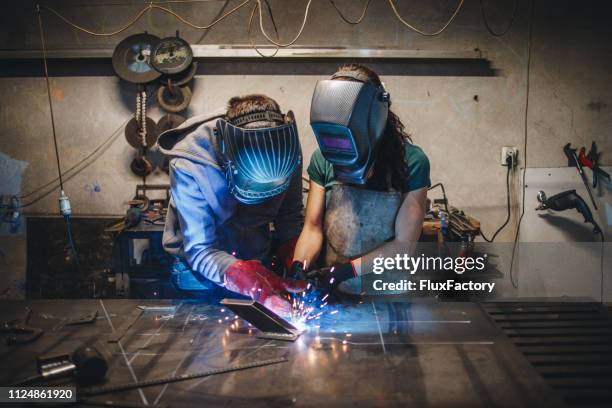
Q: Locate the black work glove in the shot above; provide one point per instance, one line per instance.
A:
(329, 277)
(297, 271)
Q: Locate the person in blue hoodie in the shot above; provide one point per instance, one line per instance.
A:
(234, 174)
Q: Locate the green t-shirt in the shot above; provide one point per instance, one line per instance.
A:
(322, 172)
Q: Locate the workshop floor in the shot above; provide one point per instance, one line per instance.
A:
(370, 353)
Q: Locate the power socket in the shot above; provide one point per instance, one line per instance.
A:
(509, 151)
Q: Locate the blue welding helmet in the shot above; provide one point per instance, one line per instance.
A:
(259, 162)
(348, 118)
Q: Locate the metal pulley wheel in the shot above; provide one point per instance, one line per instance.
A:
(182, 78)
(169, 121)
(174, 98)
(141, 166)
(132, 59)
(133, 136)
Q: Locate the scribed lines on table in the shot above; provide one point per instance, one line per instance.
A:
(127, 362)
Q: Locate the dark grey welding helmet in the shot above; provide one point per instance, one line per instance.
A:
(259, 162)
(348, 119)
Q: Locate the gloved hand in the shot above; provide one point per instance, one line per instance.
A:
(329, 277)
(297, 271)
(251, 278)
(285, 252)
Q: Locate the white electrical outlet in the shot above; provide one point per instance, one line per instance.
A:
(509, 151)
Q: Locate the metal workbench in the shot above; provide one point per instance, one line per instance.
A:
(367, 354)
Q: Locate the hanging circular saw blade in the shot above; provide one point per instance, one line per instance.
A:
(133, 137)
(171, 55)
(132, 59)
(169, 121)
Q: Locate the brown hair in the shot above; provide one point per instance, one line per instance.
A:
(390, 159)
(243, 105)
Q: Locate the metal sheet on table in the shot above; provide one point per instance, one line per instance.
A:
(372, 353)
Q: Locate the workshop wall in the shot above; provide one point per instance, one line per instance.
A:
(461, 121)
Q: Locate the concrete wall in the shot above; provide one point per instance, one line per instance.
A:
(569, 98)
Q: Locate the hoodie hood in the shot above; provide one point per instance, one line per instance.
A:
(194, 139)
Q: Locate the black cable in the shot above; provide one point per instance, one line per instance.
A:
(46, 71)
(505, 30)
(443, 195)
(111, 138)
(508, 209)
(346, 20)
(527, 85)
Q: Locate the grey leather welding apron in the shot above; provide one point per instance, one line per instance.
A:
(356, 222)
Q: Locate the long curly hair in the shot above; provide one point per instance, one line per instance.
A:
(390, 163)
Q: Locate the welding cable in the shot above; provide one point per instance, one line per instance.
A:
(250, 25)
(140, 14)
(525, 133)
(46, 72)
(346, 20)
(116, 133)
(413, 28)
(486, 22)
(69, 174)
(509, 212)
(297, 36)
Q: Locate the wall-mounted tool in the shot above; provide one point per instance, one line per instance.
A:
(174, 98)
(573, 161)
(565, 201)
(171, 55)
(140, 133)
(132, 59)
(591, 160)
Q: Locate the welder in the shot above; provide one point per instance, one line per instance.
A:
(368, 182)
(233, 174)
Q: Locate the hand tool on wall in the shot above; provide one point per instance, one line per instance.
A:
(591, 160)
(565, 201)
(572, 160)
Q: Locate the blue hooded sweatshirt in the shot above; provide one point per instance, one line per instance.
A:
(206, 226)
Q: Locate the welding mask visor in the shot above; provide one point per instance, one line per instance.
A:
(348, 119)
(259, 162)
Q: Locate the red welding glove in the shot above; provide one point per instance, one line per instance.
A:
(251, 278)
(285, 252)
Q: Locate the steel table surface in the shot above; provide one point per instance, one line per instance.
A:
(370, 353)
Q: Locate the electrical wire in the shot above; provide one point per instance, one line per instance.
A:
(413, 28)
(508, 209)
(46, 72)
(505, 30)
(139, 15)
(273, 24)
(525, 131)
(68, 175)
(346, 20)
(297, 36)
